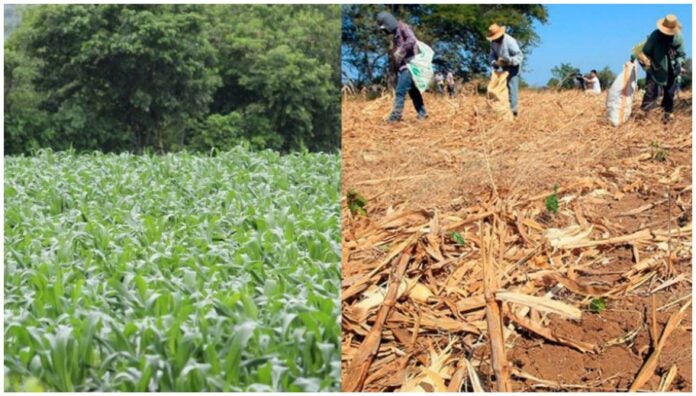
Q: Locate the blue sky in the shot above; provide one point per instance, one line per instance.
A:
(591, 36)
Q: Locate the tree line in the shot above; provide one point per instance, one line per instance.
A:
(563, 77)
(169, 77)
(456, 32)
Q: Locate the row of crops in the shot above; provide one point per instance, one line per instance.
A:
(172, 273)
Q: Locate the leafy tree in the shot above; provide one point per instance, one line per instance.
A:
(27, 127)
(552, 83)
(137, 69)
(165, 77)
(606, 77)
(456, 33)
(279, 65)
(563, 76)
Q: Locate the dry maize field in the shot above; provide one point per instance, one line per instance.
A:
(171, 273)
(547, 253)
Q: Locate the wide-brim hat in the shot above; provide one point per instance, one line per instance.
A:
(669, 25)
(495, 31)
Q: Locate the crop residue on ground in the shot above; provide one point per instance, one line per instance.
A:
(552, 252)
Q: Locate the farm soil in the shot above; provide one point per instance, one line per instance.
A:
(462, 157)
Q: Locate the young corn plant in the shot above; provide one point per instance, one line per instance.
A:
(659, 153)
(356, 203)
(552, 201)
(172, 273)
(458, 238)
(598, 305)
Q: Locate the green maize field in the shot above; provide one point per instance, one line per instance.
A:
(178, 272)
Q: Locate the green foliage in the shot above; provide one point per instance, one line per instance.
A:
(164, 76)
(641, 83)
(132, 68)
(13, 18)
(356, 203)
(27, 126)
(553, 83)
(552, 201)
(458, 238)
(280, 64)
(606, 77)
(659, 153)
(455, 31)
(598, 305)
(172, 273)
(563, 76)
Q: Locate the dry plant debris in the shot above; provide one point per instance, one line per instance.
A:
(509, 309)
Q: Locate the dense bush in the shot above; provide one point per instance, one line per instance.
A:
(164, 77)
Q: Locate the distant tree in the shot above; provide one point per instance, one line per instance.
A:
(279, 65)
(166, 77)
(564, 76)
(456, 32)
(523, 83)
(606, 77)
(27, 126)
(118, 76)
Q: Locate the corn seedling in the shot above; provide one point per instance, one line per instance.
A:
(552, 201)
(458, 238)
(659, 153)
(598, 305)
(356, 203)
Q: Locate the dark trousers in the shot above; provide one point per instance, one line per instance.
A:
(404, 84)
(654, 90)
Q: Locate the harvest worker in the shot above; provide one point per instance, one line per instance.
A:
(593, 87)
(439, 83)
(404, 48)
(450, 83)
(662, 57)
(506, 54)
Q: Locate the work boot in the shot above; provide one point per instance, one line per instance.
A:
(667, 118)
(393, 120)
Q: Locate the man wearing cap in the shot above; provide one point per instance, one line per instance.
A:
(662, 57)
(404, 48)
(506, 54)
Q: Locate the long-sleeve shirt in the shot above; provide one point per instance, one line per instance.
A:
(595, 86)
(405, 43)
(508, 50)
(662, 49)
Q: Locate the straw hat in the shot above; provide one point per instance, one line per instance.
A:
(495, 31)
(669, 25)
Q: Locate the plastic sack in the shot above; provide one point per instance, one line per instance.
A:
(498, 94)
(421, 66)
(620, 94)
